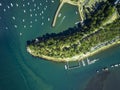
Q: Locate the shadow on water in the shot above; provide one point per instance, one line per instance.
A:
(97, 82)
(105, 80)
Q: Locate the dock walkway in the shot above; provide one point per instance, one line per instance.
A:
(81, 63)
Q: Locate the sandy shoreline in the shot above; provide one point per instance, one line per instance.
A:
(77, 57)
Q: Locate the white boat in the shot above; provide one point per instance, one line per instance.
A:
(106, 69)
(116, 65)
(112, 66)
(97, 71)
(20, 34)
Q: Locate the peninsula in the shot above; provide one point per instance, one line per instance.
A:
(100, 30)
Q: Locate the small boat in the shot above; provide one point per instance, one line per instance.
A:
(116, 65)
(106, 69)
(112, 66)
(97, 71)
(20, 34)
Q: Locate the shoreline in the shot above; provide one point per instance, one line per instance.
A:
(77, 57)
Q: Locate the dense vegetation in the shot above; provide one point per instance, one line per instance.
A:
(102, 25)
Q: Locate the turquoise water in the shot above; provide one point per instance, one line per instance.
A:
(20, 71)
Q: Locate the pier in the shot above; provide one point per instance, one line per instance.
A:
(68, 67)
(81, 63)
(91, 62)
